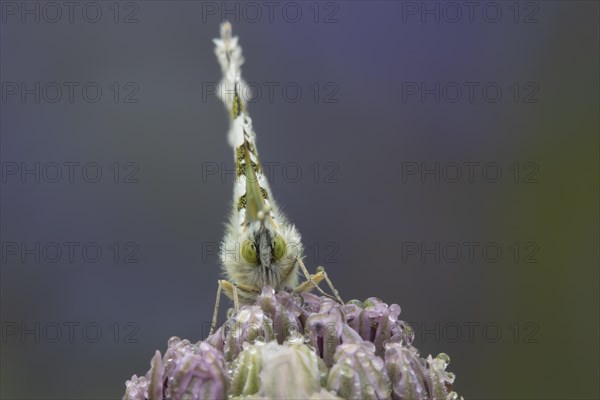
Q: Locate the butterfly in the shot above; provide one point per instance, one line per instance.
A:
(261, 246)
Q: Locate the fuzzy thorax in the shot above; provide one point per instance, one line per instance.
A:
(267, 269)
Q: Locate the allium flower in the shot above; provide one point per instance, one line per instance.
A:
(289, 346)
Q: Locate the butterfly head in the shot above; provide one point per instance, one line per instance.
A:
(270, 248)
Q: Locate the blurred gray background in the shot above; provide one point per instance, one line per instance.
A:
(436, 155)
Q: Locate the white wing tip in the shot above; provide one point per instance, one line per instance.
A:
(226, 30)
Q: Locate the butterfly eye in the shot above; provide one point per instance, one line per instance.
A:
(249, 252)
(279, 248)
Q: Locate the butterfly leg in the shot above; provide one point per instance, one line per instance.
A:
(239, 293)
(330, 284)
(312, 282)
(234, 292)
(213, 323)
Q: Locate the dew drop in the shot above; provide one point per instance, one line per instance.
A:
(452, 396)
(444, 357)
(230, 313)
(299, 300)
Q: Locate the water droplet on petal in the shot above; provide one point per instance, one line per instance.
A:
(444, 357)
(230, 313)
(452, 396)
